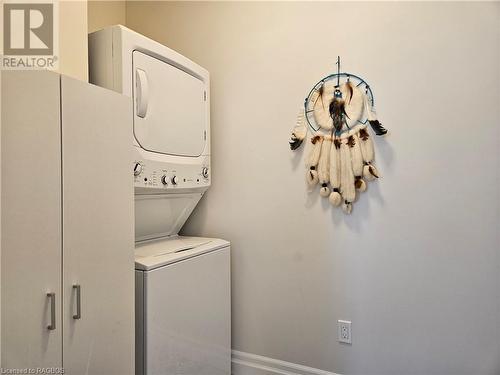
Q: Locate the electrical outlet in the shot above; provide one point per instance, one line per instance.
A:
(344, 331)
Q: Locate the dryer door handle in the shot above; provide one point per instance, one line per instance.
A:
(142, 94)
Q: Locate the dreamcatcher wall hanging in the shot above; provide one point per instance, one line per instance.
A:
(337, 111)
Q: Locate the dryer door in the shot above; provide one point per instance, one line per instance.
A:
(170, 108)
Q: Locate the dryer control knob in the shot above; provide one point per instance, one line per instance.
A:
(164, 180)
(174, 180)
(204, 172)
(137, 169)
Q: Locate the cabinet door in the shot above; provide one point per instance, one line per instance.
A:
(98, 241)
(31, 220)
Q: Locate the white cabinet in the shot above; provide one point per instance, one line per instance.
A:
(67, 226)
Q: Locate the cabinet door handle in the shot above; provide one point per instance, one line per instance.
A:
(78, 314)
(52, 325)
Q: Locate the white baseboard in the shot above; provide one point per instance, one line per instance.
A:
(253, 364)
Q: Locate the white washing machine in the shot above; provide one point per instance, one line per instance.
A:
(183, 307)
(183, 321)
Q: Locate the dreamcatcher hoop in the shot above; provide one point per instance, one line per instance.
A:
(309, 107)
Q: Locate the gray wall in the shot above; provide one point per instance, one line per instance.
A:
(416, 267)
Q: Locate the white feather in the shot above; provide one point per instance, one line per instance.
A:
(321, 109)
(324, 167)
(346, 175)
(314, 153)
(370, 152)
(324, 161)
(334, 166)
(367, 148)
(311, 178)
(312, 161)
(300, 128)
(354, 104)
(312, 100)
(356, 156)
(369, 112)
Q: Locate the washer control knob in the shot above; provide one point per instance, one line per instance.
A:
(137, 169)
(164, 180)
(174, 180)
(204, 172)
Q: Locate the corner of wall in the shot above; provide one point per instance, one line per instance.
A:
(73, 51)
(105, 13)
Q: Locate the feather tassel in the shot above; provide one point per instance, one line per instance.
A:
(372, 118)
(337, 113)
(324, 167)
(335, 163)
(357, 159)
(350, 88)
(377, 127)
(346, 175)
(313, 159)
(356, 156)
(321, 91)
(370, 172)
(366, 145)
(335, 197)
(354, 103)
(299, 131)
(321, 100)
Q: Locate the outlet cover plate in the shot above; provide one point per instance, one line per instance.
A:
(344, 331)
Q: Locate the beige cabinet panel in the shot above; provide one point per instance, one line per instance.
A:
(98, 230)
(31, 219)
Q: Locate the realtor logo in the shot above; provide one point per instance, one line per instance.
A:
(29, 31)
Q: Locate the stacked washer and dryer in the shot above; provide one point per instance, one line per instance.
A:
(183, 319)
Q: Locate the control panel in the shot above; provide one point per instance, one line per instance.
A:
(156, 175)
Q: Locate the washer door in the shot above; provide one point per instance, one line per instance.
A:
(187, 316)
(170, 108)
